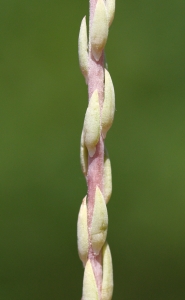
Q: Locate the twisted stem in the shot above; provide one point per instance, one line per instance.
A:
(93, 218)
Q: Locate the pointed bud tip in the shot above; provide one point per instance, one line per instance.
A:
(91, 151)
(90, 290)
(97, 54)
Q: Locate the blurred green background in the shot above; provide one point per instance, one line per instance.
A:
(43, 98)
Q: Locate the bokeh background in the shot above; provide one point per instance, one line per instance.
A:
(43, 99)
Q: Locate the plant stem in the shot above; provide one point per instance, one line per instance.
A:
(95, 163)
(93, 218)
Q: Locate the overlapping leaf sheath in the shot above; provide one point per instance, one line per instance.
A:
(93, 219)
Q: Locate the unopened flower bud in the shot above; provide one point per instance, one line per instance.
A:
(82, 232)
(83, 155)
(99, 222)
(82, 48)
(107, 177)
(99, 30)
(107, 283)
(110, 4)
(90, 291)
(92, 124)
(108, 105)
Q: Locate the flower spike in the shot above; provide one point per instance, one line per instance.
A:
(92, 222)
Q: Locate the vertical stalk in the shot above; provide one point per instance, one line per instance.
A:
(93, 218)
(95, 163)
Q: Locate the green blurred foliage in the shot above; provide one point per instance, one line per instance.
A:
(43, 98)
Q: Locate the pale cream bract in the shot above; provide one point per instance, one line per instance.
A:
(107, 177)
(108, 105)
(92, 124)
(99, 222)
(110, 4)
(100, 28)
(82, 232)
(82, 48)
(83, 155)
(107, 283)
(90, 291)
